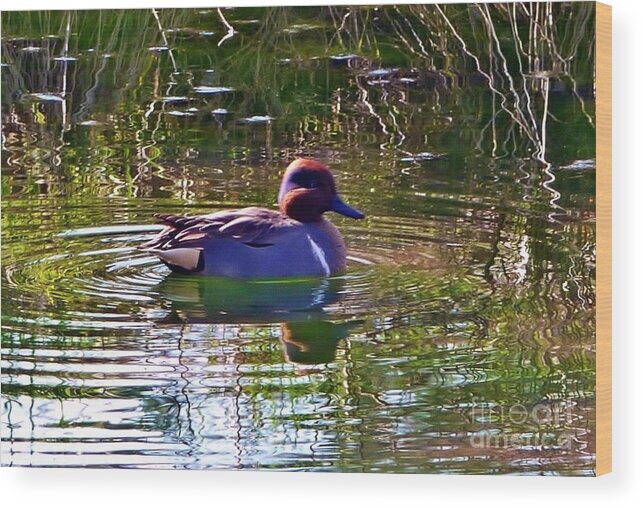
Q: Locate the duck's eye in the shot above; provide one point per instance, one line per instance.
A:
(306, 180)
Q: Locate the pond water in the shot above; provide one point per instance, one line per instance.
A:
(461, 339)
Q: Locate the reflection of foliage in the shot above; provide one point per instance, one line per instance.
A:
(445, 347)
(486, 280)
(521, 50)
(525, 55)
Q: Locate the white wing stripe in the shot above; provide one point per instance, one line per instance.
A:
(319, 254)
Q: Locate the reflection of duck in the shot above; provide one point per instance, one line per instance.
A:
(260, 243)
(316, 341)
(220, 300)
(298, 304)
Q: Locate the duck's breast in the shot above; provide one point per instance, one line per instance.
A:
(327, 245)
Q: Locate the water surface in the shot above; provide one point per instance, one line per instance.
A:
(461, 339)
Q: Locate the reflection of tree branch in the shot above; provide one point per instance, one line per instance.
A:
(340, 28)
(495, 242)
(184, 374)
(237, 415)
(521, 119)
(165, 43)
(488, 75)
(231, 30)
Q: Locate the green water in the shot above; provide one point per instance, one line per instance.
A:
(461, 340)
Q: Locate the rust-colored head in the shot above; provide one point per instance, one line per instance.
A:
(308, 190)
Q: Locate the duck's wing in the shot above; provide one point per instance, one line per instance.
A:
(181, 242)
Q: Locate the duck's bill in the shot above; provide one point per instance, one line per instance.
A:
(337, 205)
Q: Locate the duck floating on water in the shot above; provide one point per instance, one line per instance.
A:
(254, 243)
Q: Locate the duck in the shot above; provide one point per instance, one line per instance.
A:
(261, 243)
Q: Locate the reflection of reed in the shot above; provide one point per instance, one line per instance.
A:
(518, 51)
(519, 64)
(428, 350)
(522, 49)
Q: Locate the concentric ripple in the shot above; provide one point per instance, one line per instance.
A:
(149, 369)
(470, 293)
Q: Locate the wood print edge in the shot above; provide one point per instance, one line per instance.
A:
(604, 238)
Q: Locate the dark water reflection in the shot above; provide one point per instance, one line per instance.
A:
(298, 306)
(460, 340)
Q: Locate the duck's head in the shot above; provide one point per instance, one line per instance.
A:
(308, 190)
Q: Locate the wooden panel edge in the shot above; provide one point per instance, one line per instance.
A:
(604, 238)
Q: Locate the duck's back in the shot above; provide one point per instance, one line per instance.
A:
(249, 243)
